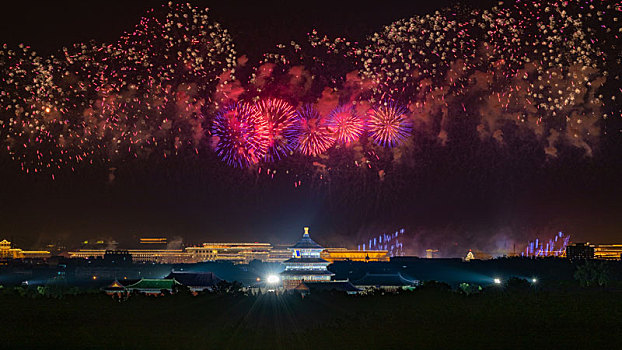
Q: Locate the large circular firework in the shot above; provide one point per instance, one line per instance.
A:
(388, 124)
(313, 136)
(346, 126)
(279, 116)
(240, 135)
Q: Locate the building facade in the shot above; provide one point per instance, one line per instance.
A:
(305, 264)
(6, 252)
(342, 254)
(580, 251)
(238, 253)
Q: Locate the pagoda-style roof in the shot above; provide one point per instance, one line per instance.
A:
(115, 287)
(305, 261)
(194, 279)
(306, 242)
(155, 284)
(384, 279)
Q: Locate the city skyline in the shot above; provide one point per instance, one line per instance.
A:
(465, 189)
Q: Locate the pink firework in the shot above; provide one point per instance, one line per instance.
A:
(242, 135)
(313, 136)
(279, 117)
(345, 124)
(388, 124)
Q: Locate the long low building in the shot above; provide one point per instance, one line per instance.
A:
(159, 256)
(594, 251)
(7, 252)
(343, 254)
(237, 253)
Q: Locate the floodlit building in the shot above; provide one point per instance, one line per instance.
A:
(608, 251)
(305, 264)
(238, 253)
(342, 254)
(431, 253)
(159, 256)
(6, 252)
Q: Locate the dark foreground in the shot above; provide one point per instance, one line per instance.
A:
(427, 319)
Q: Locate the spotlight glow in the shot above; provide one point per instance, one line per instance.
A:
(273, 279)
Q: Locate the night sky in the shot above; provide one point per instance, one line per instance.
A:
(465, 194)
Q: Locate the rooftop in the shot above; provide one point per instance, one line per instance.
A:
(306, 242)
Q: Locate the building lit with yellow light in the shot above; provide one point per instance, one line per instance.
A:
(238, 253)
(342, 254)
(594, 251)
(6, 252)
(608, 251)
(159, 256)
(431, 253)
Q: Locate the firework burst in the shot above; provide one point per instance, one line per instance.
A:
(313, 135)
(279, 116)
(242, 135)
(345, 124)
(388, 124)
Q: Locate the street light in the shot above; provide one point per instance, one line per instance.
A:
(497, 280)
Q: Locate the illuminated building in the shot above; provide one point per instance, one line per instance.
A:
(159, 240)
(279, 254)
(115, 288)
(431, 253)
(342, 254)
(238, 253)
(305, 264)
(580, 251)
(6, 252)
(477, 255)
(608, 251)
(160, 256)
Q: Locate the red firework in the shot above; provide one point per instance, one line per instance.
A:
(388, 124)
(242, 135)
(345, 124)
(313, 136)
(279, 117)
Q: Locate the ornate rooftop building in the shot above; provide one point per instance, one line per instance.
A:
(305, 263)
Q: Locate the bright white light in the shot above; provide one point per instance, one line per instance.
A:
(534, 280)
(273, 279)
(497, 281)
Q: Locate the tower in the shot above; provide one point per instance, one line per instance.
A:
(305, 263)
